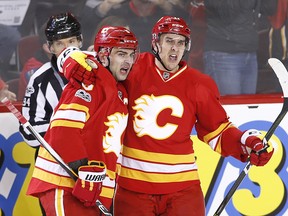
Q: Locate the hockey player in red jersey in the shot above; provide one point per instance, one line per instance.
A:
(87, 129)
(167, 99)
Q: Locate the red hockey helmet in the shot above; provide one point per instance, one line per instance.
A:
(115, 36)
(172, 25)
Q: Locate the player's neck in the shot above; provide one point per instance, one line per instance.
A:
(161, 67)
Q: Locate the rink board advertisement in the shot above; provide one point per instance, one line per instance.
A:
(262, 192)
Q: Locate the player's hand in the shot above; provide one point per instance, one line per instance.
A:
(82, 75)
(73, 64)
(89, 183)
(253, 145)
(4, 92)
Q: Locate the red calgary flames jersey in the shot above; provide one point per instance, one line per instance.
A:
(158, 155)
(88, 123)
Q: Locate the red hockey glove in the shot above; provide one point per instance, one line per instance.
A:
(73, 64)
(254, 146)
(89, 183)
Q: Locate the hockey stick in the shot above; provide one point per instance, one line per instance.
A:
(46, 145)
(282, 75)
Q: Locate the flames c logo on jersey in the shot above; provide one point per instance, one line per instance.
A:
(148, 109)
(112, 140)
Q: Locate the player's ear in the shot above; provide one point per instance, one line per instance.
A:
(51, 49)
(156, 48)
(45, 47)
(103, 58)
(103, 55)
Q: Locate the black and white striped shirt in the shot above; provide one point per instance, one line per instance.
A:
(41, 97)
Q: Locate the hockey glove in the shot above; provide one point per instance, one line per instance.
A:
(89, 183)
(73, 64)
(253, 146)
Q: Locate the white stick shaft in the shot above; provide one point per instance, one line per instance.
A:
(46, 145)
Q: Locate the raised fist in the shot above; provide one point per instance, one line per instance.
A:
(77, 66)
(254, 146)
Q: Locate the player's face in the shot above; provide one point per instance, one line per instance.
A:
(171, 50)
(59, 45)
(121, 62)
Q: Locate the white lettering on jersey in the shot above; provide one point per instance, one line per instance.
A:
(116, 126)
(148, 109)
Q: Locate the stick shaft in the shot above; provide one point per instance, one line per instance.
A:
(46, 145)
(246, 169)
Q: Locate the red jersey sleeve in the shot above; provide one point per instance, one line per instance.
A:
(279, 18)
(213, 125)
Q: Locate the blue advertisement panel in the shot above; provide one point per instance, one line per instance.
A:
(262, 192)
(16, 166)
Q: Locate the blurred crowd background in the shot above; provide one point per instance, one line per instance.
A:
(22, 24)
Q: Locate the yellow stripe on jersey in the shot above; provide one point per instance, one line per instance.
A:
(218, 145)
(70, 115)
(107, 192)
(159, 178)
(45, 154)
(111, 174)
(158, 157)
(59, 207)
(66, 123)
(118, 168)
(75, 106)
(52, 178)
(73, 115)
(216, 133)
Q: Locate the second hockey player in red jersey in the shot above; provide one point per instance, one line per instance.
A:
(87, 129)
(166, 99)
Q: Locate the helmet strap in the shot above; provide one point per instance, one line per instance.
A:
(156, 54)
(160, 60)
(108, 63)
